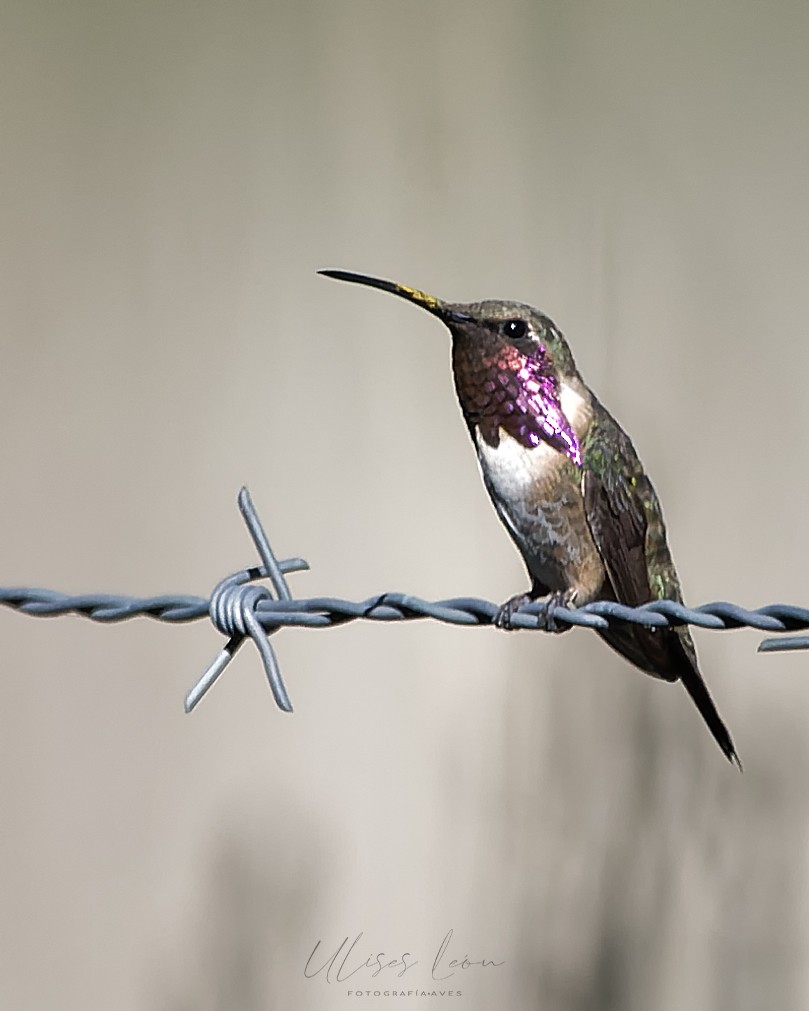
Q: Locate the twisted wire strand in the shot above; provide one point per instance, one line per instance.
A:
(329, 612)
(239, 609)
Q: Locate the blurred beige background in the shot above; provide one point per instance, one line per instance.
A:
(172, 177)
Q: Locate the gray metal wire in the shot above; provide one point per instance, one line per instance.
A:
(239, 609)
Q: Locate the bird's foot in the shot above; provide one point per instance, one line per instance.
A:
(545, 619)
(507, 611)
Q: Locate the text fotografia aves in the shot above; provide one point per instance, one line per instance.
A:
(404, 993)
(351, 960)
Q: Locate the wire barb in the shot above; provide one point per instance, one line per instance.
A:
(233, 610)
(241, 610)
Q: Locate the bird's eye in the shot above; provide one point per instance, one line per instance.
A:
(516, 329)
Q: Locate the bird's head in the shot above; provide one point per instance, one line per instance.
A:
(510, 365)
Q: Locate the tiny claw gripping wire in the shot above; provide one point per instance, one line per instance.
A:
(233, 607)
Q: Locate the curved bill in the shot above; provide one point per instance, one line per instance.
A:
(428, 302)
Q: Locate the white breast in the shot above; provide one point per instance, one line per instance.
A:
(510, 467)
(510, 473)
(514, 474)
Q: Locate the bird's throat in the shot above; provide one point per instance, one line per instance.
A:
(517, 394)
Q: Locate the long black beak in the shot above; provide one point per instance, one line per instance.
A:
(428, 302)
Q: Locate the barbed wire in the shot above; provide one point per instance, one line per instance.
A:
(240, 609)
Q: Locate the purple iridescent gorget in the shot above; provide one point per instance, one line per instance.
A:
(517, 393)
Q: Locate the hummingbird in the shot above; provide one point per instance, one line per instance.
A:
(565, 481)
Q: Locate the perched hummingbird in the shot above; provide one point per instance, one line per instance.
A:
(565, 480)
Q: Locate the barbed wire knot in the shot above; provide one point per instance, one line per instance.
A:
(234, 606)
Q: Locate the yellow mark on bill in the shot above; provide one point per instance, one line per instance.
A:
(420, 297)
